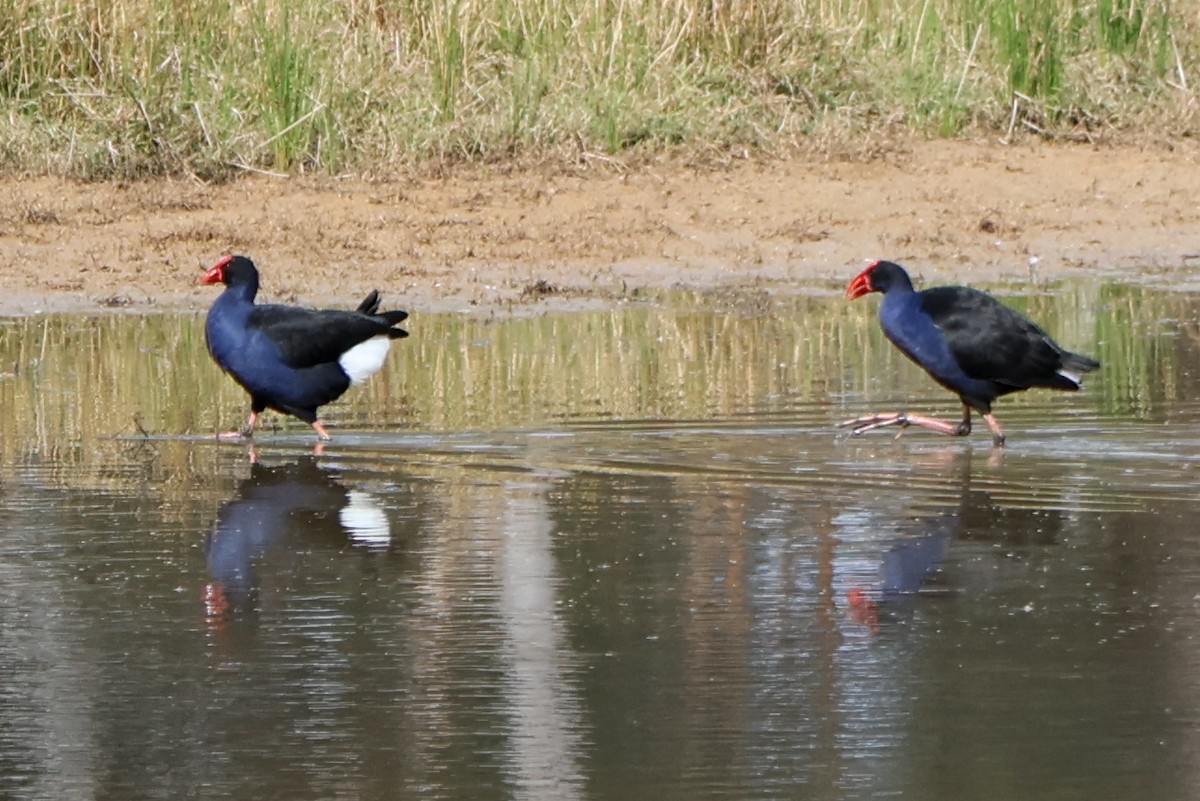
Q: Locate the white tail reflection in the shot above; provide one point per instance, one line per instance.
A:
(365, 521)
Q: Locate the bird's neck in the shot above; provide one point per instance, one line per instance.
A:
(900, 285)
(898, 294)
(242, 292)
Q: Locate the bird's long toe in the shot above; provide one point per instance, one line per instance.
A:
(861, 425)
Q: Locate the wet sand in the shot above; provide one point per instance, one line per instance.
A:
(499, 240)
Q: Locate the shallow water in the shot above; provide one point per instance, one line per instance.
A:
(608, 555)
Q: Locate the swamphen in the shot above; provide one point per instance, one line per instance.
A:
(969, 343)
(290, 359)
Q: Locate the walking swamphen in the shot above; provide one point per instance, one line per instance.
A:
(969, 343)
(290, 359)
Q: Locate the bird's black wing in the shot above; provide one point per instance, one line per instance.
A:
(306, 337)
(991, 341)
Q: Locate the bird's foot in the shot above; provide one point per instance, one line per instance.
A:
(861, 425)
(243, 433)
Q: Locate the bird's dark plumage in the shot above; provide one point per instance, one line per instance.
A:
(969, 342)
(291, 359)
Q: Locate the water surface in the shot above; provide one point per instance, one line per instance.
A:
(603, 555)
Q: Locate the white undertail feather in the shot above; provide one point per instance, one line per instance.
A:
(365, 359)
(1072, 376)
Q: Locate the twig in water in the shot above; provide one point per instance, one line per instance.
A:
(248, 168)
(1012, 122)
(967, 66)
(319, 107)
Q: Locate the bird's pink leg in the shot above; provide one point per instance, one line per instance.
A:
(994, 426)
(861, 425)
(321, 432)
(246, 430)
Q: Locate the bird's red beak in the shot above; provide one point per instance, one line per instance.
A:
(861, 285)
(216, 275)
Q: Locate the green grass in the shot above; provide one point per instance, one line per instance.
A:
(130, 88)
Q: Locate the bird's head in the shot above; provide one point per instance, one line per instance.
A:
(231, 270)
(880, 276)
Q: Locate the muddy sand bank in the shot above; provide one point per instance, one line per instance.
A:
(486, 239)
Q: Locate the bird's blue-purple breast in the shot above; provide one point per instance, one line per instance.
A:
(225, 328)
(911, 330)
(254, 360)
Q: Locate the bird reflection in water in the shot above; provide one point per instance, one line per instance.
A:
(912, 564)
(908, 566)
(300, 502)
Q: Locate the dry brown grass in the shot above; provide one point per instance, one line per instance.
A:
(140, 87)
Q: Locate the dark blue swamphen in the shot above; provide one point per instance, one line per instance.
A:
(969, 343)
(290, 359)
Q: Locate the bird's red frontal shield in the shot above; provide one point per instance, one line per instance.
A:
(216, 274)
(861, 285)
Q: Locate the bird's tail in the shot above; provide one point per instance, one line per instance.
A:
(370, 306)
(1075, 365)
(1080, 364)
(392, 318)
(370, 303)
